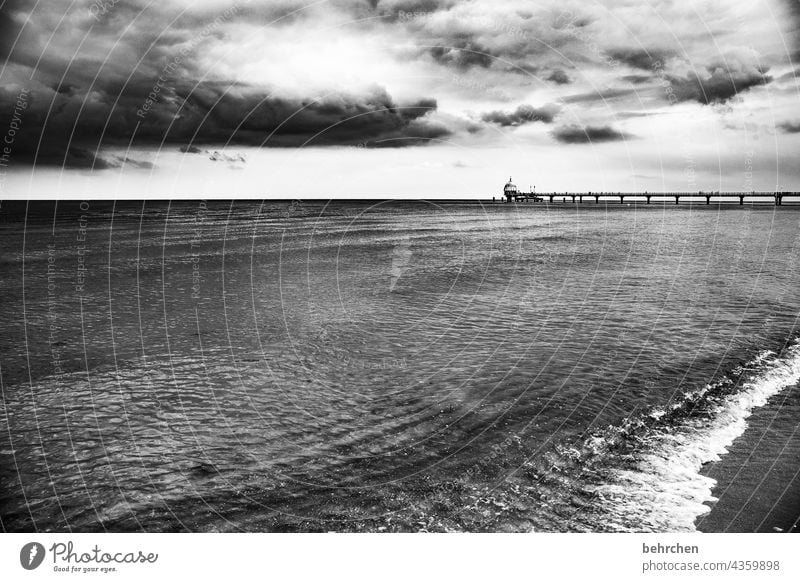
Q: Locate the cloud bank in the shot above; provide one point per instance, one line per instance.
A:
(378, 73)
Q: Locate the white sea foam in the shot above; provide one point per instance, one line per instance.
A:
(663, 490)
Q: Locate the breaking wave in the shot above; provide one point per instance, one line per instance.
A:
(645, 475)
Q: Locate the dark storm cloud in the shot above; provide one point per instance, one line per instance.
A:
(718, 85)
(559, 77)
(9, 25)
(215, 155)
(67, 128)
(129, 161)
(463, 54)
(637, 79)
(522, 115)
(790, 127)
(71, 157)
(639, 58)
(210, 114)
(69, 48)
(575, 134)
(140, 88)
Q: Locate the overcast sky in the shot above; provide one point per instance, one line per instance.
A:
(406, 98)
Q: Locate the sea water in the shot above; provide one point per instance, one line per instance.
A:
(398, 366)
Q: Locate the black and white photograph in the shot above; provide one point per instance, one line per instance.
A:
(398, 266)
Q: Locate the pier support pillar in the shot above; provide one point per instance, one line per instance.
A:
(551, 199)
(621, 199)
(708, 200)
(648, 199)
(741, 200)
(676, 199)
(778, 199)
(597, 199)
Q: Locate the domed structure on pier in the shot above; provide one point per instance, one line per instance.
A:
(510, 190)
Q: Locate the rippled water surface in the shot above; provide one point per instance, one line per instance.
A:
(396, 366)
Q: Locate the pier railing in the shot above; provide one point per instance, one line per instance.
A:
(776, 198)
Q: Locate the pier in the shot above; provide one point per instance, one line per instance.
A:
(776, 198)
(513, 194)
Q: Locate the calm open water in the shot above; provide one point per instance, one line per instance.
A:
(278, 366)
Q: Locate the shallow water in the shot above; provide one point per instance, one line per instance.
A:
(386, 366)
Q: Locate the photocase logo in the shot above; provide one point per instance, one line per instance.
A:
(31, 555)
